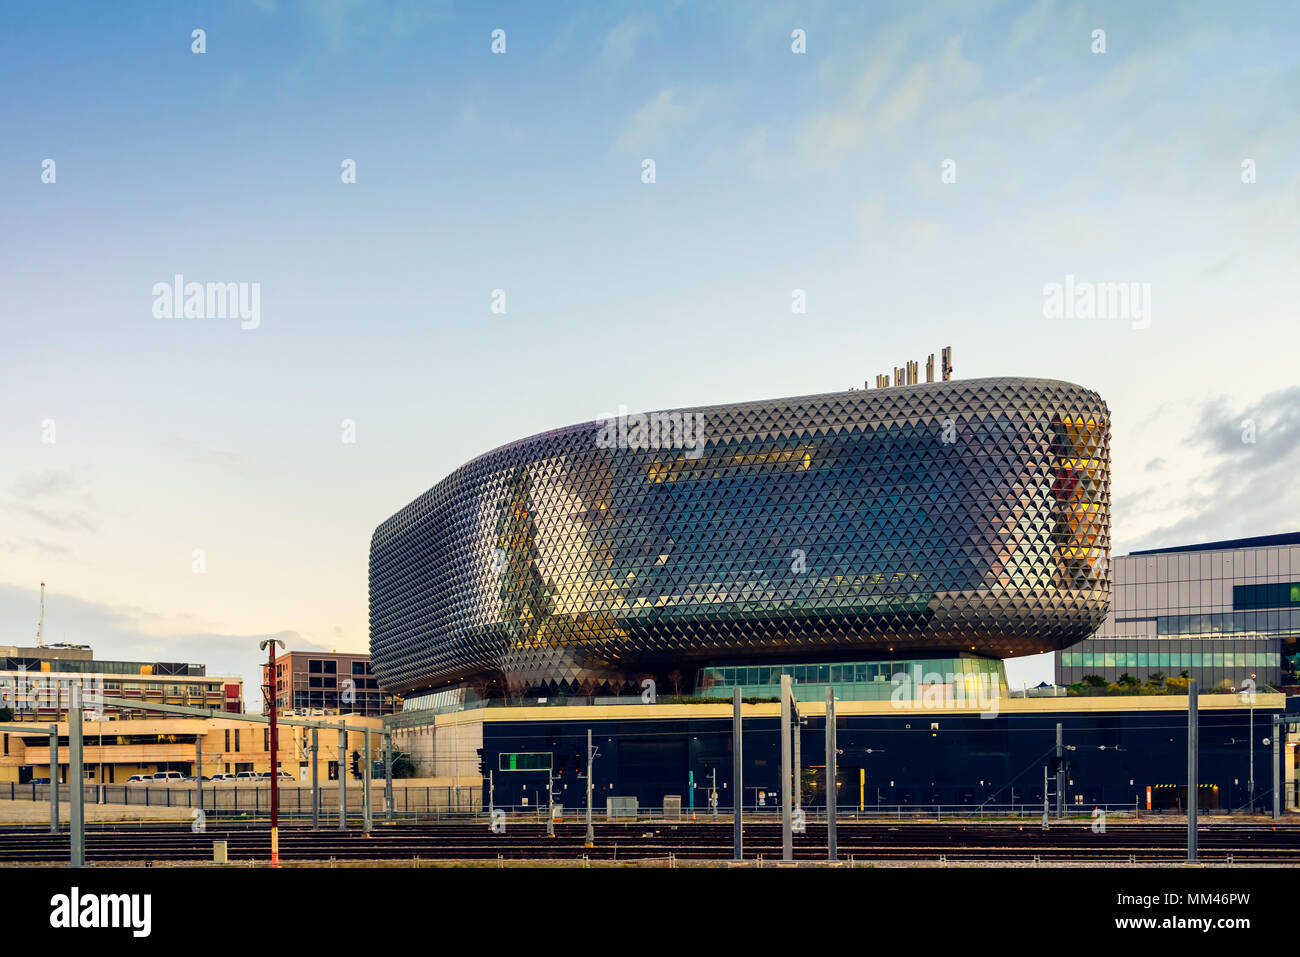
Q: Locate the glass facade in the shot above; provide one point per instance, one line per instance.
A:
(857, 680)
(1221, 612)
(929, 520)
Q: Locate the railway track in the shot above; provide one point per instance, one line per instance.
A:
(1066, 842)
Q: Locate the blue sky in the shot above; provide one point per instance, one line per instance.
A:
(522, 172)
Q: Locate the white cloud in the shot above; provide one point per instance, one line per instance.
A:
(659, 122)
(620, 44)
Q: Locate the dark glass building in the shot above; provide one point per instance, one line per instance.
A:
(929, 521)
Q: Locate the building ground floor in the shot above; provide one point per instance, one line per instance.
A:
(1118, 752)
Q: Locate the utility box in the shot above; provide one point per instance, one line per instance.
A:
(672, 807)
(620, 807)
(218, 852)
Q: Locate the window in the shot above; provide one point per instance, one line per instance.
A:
(266, 739)
(227, 739)
(236, 739)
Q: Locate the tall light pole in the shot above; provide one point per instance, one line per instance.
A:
(591, 756)
(1252, 744)
(832, 766)
(1193, 782)
(268, 645)
(787, 842)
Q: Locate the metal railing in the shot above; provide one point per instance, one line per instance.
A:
(234, 800)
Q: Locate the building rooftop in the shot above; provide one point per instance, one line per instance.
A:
(1259, 541)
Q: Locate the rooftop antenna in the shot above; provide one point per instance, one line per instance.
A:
(40, 627)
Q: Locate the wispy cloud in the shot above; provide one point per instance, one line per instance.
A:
(1247, 487)
(662, 121)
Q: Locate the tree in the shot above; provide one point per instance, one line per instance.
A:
(1095, 681)
(675, 676)
(403, 766)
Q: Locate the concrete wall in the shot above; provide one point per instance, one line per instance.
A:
(446, 750)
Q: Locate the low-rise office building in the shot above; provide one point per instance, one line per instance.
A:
(316, 682)
(1224, 612)
(117, 749)
(45, 695)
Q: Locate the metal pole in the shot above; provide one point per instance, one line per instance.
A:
(591, 833)
(388, 777)
(275, 753)
(343, 779)
(1193, 784)
(77, 796)
(1278, 727)
(492, 794)
(1252, 749)
(832, 770)
(1060, 772)
(1044, 797)
(737, 777)
(787, 834)
(365, 784)
(797, 731)
(198, 769)
(54, 779)
(713, 791)
(550, 801)
(315, 779)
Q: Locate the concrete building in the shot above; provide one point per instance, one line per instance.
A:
(36, 683)
(317, 682)
(114, 750)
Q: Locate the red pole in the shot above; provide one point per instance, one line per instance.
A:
(275, 752)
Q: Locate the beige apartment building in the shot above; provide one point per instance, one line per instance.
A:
(114, 750)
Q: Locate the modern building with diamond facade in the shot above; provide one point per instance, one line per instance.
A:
(963, 521)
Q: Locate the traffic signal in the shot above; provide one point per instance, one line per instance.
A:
(356, 764)
(482, 764)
